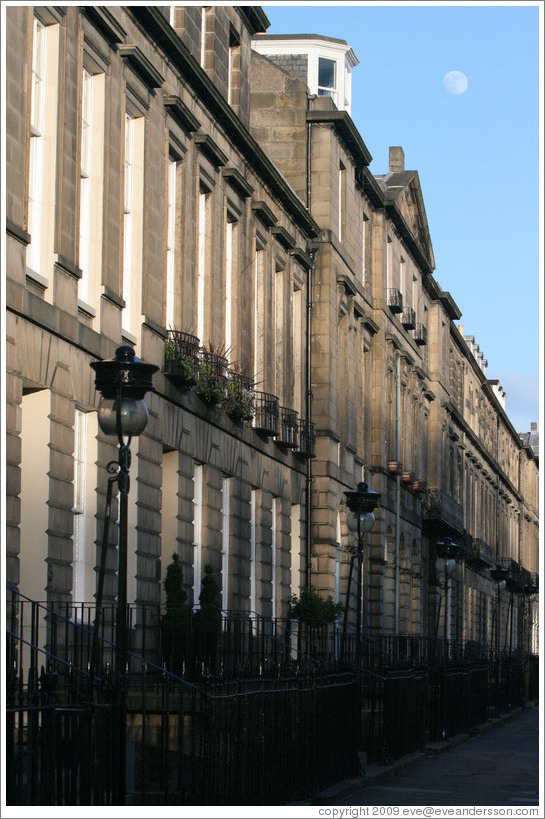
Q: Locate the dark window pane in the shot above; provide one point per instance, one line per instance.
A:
(326, 73)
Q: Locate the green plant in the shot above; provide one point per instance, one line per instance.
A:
(239, 398)
(210, 386)
(180, 364)
(311, 606)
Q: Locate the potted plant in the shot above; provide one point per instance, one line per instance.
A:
(181, 357)
(211, 378)
(239, 399)
(207, 619)
(312, 607)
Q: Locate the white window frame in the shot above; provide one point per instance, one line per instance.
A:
(253, 551)
(274, 546)
(171, 241)
(225, 539)
(198, 479)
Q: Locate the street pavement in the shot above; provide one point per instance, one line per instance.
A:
(498, 766)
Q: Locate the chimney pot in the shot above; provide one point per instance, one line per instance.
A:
(533, 426)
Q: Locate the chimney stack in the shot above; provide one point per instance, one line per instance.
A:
(533, 426)
(397, 159)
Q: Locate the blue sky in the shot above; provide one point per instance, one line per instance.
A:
(477, 154)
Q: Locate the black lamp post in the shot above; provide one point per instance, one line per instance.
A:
(361, 502)
(447, 551)
(499, 576)
(122, 381)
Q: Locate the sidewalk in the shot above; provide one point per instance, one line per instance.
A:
(372, 774)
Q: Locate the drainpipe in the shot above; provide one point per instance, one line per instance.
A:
(398, 491)
(308, 368)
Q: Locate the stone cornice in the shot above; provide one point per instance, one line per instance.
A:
(157, 27)
(346, 130)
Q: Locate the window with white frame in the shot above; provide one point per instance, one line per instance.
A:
(342, 201)
(296, 545)
(233, 68)
(91, 187)
(231, 263)
(274, 547)
(225, 539)
(327, 78)
(133, 223)
(389, 259)
(364, 248)
(202, 257)
(297, 347)
(171, 241)
(42, 149)
(197, 530)
(84, 510)
(259, 313)
(253, 549)
(338, 560)
(278, 331)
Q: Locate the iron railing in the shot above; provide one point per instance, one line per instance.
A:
(420, 335)
(395, 300)
(267, 414)
(307, 438)
(439, 506)
(408, 319)
(289, 429)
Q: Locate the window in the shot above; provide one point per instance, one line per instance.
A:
(231, 264)
(42, 150)
(133, 223)
(204, 10)
(338, 560)
(342, 201)
(274, 546)
(297, 347)
(85, 473)
(202, 258)
(171, 241)
(253, 543)
(278, 332)
(389, 252)
(296, 549)
(259, 334)
(364, 248)
(197, 530)
(225, 539)
(233, 68)
(327, 77)
(169, 509)
(91, 187)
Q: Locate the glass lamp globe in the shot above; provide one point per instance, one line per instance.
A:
(134, 416)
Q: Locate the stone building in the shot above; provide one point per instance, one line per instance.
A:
(141, 210)
(400, 397)
(171, 188)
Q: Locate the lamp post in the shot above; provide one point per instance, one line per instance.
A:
(361, 502)
(122, 382)
(499, 576)
(447, 551)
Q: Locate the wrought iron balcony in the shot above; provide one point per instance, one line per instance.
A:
(477, 552)
(440, 508)
(408, 319)
(307, 438)
(395, 300)
(420, 335)
(267, 414)
(289, 428)
(181, 358)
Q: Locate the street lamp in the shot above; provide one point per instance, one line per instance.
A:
(361, 502)
(447, 551)
(122, 382)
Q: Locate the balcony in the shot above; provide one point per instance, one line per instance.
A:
(395, 300)
(289, 428)
(267, 414)
(307, 438)
(478, 553)
(408, 319)
(181, 363)
(420, 335)
(442, 512)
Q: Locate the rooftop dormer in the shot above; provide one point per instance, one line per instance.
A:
(324, 63)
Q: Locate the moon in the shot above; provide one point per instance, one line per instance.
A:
(455, 82)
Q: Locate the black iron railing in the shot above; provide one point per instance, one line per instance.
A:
(420, 335)
(267, 414)
(395, 300)
(307, 438)
(289, 428)
(181, 358)
(408, 319)
(438, 505)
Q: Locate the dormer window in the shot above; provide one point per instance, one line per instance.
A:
(327, 77)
